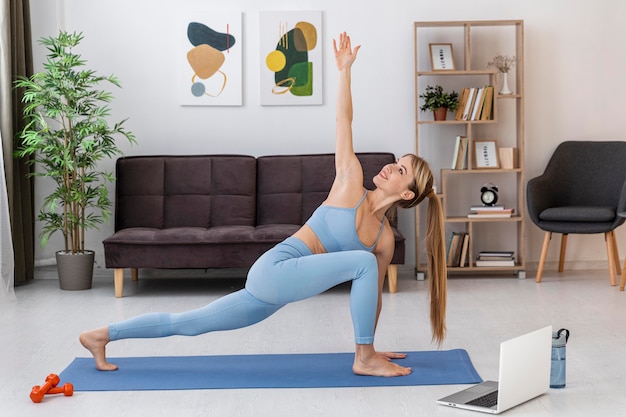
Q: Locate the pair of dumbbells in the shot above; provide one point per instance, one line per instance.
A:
(50, 387)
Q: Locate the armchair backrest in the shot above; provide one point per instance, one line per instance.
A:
(588, 173)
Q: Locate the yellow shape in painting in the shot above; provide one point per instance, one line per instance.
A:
(310, 36)
(205, 60)
(275, 61)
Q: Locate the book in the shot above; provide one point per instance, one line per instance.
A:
(462, 101)
(494, 258)
(461, 162)
(485, 208)
(459, 248)
(507, 262)
(494, 214)
(487, 111)
(455, 155)
(454, 242)
(496, 253)
(478, 104)
(469, 103)
(464, 260)
(503, 211)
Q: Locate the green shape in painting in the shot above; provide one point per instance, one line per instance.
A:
(303, 74)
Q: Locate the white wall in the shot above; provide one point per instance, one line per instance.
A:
(574, 83)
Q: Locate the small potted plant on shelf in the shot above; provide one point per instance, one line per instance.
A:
(439, 102)
(66, 135)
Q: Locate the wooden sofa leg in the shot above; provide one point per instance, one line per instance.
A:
(392, 277)
(134, 274)
(544, 255)
(118, 279)
(611, 255)
(562, 254)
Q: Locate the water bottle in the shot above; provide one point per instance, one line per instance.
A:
(557, 369)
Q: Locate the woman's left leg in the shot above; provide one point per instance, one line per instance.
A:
(281, 281)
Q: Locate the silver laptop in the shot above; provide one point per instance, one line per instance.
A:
(524, 374)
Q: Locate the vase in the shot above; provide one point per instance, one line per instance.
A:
(75, 270)
(505, 90)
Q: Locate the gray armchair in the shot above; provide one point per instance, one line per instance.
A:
(581, 191)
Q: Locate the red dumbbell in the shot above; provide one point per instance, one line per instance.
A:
(67, 389)
(38, 392)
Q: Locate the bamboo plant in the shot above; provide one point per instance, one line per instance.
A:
(66, 135)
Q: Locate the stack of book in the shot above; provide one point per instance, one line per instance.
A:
(476, 103)
(495, 258)
(458, 249)
(489, 212)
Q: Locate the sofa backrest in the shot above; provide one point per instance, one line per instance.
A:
(185, 191)
(291, 187)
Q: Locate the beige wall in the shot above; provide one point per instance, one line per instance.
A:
(574, 83)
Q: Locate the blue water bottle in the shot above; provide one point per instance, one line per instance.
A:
(557, 370)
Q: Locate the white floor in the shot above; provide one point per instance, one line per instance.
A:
(39, 336)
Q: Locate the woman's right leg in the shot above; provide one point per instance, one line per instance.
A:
(233, 311)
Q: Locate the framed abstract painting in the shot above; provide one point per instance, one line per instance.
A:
(291, 58)
(210, 58)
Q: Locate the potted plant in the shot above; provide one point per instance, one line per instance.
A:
(439, 102)
(66, 135)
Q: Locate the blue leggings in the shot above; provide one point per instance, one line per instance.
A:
(286, 273)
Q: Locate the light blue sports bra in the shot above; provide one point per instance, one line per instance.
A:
(335, 227)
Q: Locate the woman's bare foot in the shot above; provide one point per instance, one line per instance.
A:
(391, 355)
(368, 362)
(95, 341)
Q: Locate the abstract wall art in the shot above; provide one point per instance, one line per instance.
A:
(291, 58)
(210, 69)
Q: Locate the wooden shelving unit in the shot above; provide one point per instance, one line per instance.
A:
(475, 43)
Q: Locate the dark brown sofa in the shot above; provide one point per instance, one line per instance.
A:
(219, 211)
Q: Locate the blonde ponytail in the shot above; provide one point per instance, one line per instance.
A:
(437, 270)
(422, 187)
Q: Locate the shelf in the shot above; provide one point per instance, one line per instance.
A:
(475, 43)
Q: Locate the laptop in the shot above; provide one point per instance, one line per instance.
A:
(524, 374)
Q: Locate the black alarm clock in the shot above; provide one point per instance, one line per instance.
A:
(489, 194)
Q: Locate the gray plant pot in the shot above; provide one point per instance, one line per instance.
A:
(75, 271)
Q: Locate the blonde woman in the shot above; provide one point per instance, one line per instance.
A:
(346, 239)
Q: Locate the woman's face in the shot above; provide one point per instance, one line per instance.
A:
(395, 178)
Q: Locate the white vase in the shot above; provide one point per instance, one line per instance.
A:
(505, 90)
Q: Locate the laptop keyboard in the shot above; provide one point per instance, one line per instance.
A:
(487, 400)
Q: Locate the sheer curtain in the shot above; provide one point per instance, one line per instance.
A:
(7, 263)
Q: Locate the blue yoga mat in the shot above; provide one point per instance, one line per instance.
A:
(263, 371)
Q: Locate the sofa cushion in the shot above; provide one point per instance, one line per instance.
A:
(185, 191)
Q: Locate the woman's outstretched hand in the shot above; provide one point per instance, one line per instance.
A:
(344, 54)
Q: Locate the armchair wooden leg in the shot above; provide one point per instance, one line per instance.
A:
(562, 254)
(544, 253)
(118, 279)
(611, 254)
(392, 277)
(618, 268)
(134, 274)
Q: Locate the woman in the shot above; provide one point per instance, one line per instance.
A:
(347, 238)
